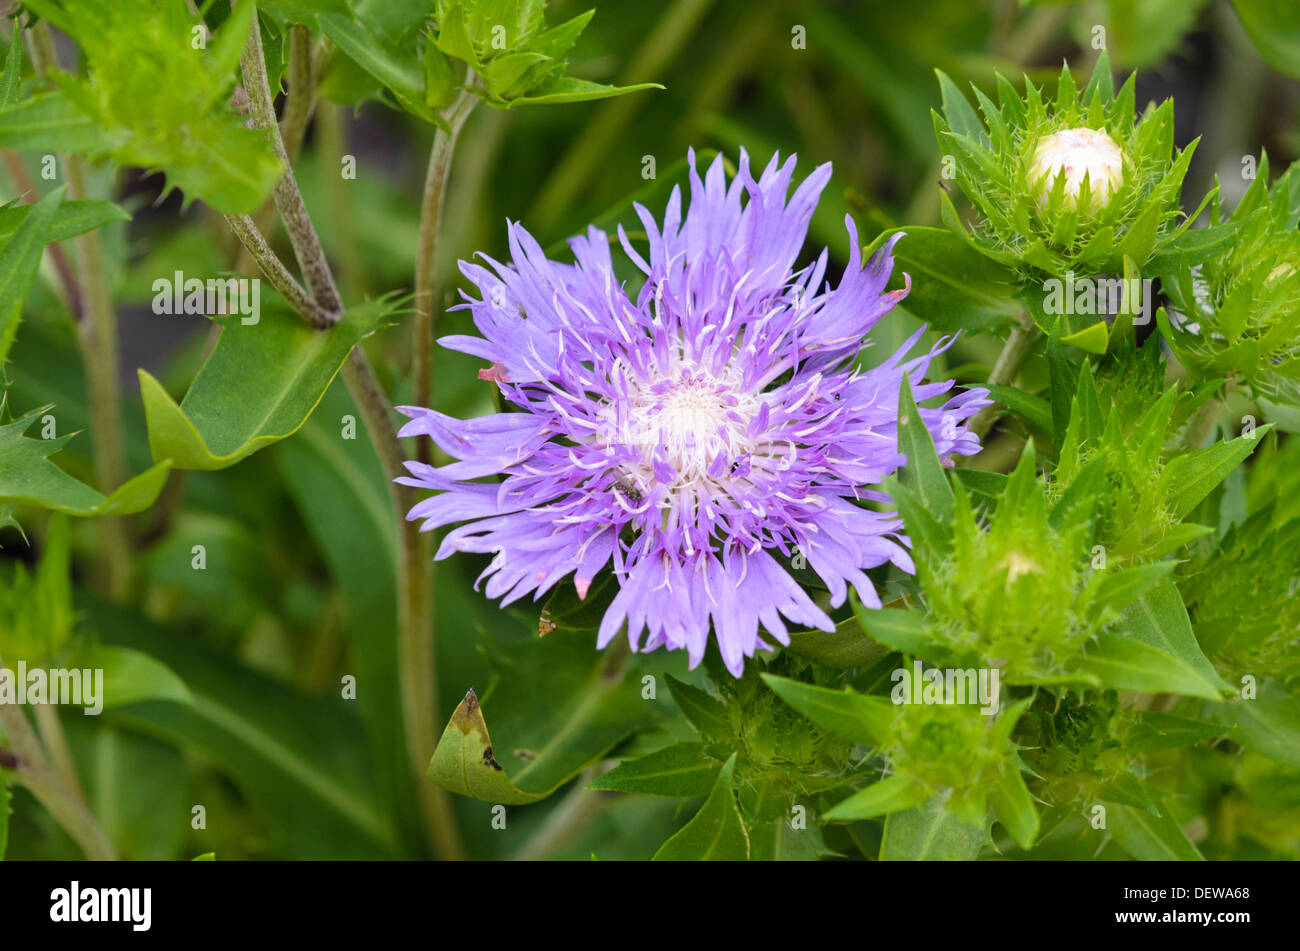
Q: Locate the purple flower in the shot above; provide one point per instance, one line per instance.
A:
(685, 436)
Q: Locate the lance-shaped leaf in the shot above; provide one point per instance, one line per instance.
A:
(1268, 724)
(71, 219)
(1152, 648)
(778, 841)
(131, 676)
(891, 794)
(681, 771)
(1150, 836)
(923, 473)
(1190, 477)
(259, 385)
(302, 762)
(846, 646)
(930, 832)
(50, 123)
(1014, 806)
(19, 260)
(27, 476)
(716, 833)
(854, 716)
(705, 713)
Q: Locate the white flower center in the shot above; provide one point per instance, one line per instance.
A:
(1075, 153)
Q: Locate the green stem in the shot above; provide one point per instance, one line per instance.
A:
(1008, 365)
(50, 790)
(301, 102)
(416, 657)
(99, 354)
(435, 195)
(260, 250)
(415, 642)
(577, 810)
(307, 249)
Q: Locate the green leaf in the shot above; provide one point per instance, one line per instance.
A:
(568, 89)
(1274, 27)
(679, 771)
(858, 717)
(1014, 807)
(1119, 588)
(19, 260)
(398, 72)
(716, 833)
(899, 628)
(131, 676)
(1148, 837)
(155, 100)
(778, 841)
(1190, 477)
(10, 89)
(340, 490)
(922, 473)
(135, 785)
(991, 485)
(1116, 663)
(49, 123)
(1033, 408)
(465, 761)
(954, 286)
(556, 709)
(962, 118)
(28, 476)
(889, 795)
(301, 762)
(1154, 732)
(259, 385)
(705, 713)
(1158, 619)
(1093, 339)
(929, 833)
(1268, 724)
(847, 646)
(71, 219)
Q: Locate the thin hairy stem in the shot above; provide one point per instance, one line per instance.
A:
(1008, 365)
(288, 199)
(418, 674)
(99, 354)
(435, 194)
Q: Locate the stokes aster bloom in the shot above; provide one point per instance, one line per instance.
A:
(688, 435)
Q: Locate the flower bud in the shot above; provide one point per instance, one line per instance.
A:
(1075, 153)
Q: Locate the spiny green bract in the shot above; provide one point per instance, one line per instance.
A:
(1238, 313)
(1115, 444)
(953, 748)
(161, 102)
(1071, 744)
(782, 754)
(1244, 598)
(1017, 594)
(1051, 232)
